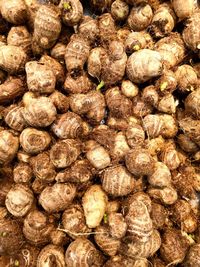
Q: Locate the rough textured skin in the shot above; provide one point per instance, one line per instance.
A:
(51, 255)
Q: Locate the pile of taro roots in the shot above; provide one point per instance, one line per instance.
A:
(99, 133)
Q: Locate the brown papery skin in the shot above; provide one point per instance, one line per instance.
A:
(73, 15)
(51, 255)
(14, 11)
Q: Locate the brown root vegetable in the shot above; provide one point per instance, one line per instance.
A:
(60, 101)
(40, 78)
(82, 253)
(55, 66)
(171, 49)
(76, 55)
(43, 168)
(88, 28)
(140, 17)
(68, 125)
(120, 147)
(159, 215)
(166, 195)
(135, 135)
(72, 11)
(22, 173)
(191, 129)
(152, 124)
(161, 175)
(141, 108)
(19, 36)
(187, 144)
(117, 225)
(94, 204)
(138, 196)
(22, 156)
(34, 141)
(138, 40)
(163, 21)
(14, 11)
(107, 28)
(9, 145)
(150, 95)
(78, 85)
(119, 105)
(191, 33)
(12, 58)
(91, 104)
(64, 153)
(108, 244)
(124, 261)
(192, 104)
(119, 10)
(139, 70)
(112, 206)
(11, 89)
(155, 145)
(129, 89)
(138, 221)
(167, 104)
(174, 246)
(170, 156)
(97, 155)
(140, 248)
(167, 82)
(170, 128)
(139, 162)
(58, 51)
(57, 197)
(117, 181)
(19, 200)
(73, 221)
(58, 238)
(193, 256)
(37, 228)
(185, 11)
(186, 78)
(47, 26)
(14, 117)
(51, 255)
(38, 112)
(11, 237)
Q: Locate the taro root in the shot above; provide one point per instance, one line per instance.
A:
(68, 125)
(108, 244)
(19, 200)
(107, 28)
(167, 104)
(117, 225)
(174, 246)
(72, 12)
(170, 156)
(94, 204)
(9, 145)
(34, 141)
(140, 17)
(11, 89)
(129, 89)
(119, 10)
(140, 248)
(60, 101)
(11, 237)
(191, 128)
(88, 28)
(192, 104)
(159, 215)
(139, 162)
(37, 228)
(186, 144)
(167, 82)
(120, 147)
(138, 40)
(12, 58)
(186, 78)
(163, 21)
(139, 70)
(117, 181)
(14, 117)
(47, 26)
(14, 11)
(150, 95)
(166, 195)
(97, 155)
(124, 261)
(57, 197)
(152, 124)
(58, 51)
(100, 6)
(51, 255)
(160, 176)
(73, 221)
(22, 173)
(82, 253)
(77, 85)
(193, 256)
(19, 36)
(64, 153)
(77, 52)
(186, 10)
(43, 168)
(40, 78)
(191, 33)
(38, 112)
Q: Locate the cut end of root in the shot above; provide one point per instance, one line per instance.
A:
(101, 85)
